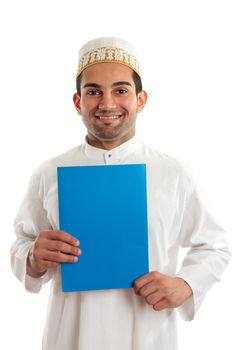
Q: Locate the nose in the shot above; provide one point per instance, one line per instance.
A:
(107, 101)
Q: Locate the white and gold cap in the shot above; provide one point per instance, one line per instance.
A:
(107, 49)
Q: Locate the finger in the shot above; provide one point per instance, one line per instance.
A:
(156, 297)
(64, 237)
(161, 305)
(58, 257)
(60, 246)
(148, 289)
(142, 281)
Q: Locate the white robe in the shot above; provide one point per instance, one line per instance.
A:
(119, 319)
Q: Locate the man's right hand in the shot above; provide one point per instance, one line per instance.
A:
(50, 249)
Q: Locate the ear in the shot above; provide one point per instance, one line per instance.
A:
(141, 100)
(77, 102)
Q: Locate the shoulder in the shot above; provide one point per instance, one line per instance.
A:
(167, 167)
(164, 161)
(48, 168)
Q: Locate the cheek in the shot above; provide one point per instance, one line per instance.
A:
(130, 104)
(87, 106)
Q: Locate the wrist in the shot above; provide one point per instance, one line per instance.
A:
(31, 266)
(188, 290)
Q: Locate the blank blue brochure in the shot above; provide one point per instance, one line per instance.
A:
(105, 207)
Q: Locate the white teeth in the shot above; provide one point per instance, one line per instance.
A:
(108, 118)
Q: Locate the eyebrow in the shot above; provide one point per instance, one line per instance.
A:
(117, 83)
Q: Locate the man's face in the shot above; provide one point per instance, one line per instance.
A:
(108, 103)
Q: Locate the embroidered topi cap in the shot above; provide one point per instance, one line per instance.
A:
(107, 49)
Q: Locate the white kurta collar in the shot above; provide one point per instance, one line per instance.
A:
(113, 155)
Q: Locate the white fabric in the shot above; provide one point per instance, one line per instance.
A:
(119, 319)
(107, 42)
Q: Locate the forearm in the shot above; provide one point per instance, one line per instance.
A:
(201, 270)
(19, 254)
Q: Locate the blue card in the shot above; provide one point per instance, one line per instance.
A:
(105, 207)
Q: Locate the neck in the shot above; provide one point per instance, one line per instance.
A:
(107, 145)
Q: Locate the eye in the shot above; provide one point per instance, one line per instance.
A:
(93, 92)
(121, 91)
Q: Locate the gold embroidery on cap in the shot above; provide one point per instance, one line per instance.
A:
(108, 54)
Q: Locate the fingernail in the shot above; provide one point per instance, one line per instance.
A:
(75, 259)
(79, 251)
(77, 242)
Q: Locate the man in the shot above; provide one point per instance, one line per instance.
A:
(109, 96)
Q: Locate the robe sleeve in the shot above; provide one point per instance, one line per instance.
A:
(208, 253)
(30, 219)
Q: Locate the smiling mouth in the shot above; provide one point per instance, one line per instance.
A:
(111, 117)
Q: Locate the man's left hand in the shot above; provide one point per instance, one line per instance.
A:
(162, 291)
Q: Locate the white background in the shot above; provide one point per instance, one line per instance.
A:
(189, 58)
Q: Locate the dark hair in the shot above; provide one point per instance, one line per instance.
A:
(136, 78)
